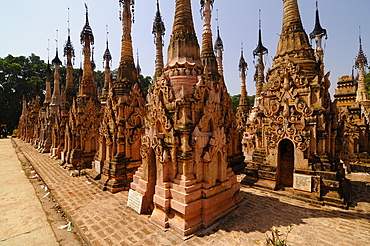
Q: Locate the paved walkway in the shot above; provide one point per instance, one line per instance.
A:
(22, 218)
(104, 219)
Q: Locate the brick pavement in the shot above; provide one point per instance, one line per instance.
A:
(103, 218)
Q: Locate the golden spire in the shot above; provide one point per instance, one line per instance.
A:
(183, 45)
(260, 67)
(360, 64)
(207, 57)
(69, 52)
(87, 86)
(243, 67)
(219, 48)
(158, 32)
(127, 73)
(56, 97)
(107, 57)
(48, 71)
(126, 46)
(293, 38)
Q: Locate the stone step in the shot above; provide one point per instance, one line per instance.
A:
(326, 175)
(266, 175)
(267, 168)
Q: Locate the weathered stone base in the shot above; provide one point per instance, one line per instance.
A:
(117, 173)
(188, 206)
(77, 158)
(56, 152)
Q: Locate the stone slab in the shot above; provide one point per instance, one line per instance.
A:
(135, 201)
(302, 182)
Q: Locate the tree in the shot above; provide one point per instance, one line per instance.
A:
(19, 76)
(145, 82)
(235, 101)
(236, 98)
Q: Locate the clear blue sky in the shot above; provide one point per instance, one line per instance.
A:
(27, 25)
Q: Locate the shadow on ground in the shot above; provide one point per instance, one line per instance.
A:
(259, 213)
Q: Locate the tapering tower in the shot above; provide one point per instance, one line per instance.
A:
(119, 156)
(127, 73)
(260, 51)
(293, 38)
(292, 134)
(47, 100)
(82, 128)
(242, 110)
(87, 87)
(318, 33)
(107, 57)
(243, 67)
(185, 181)
(207, 54)
(69, 52)
(219, 48)
(56, 99)
(158, 31)
(361, 64)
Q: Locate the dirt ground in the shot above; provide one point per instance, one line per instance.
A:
(55, 216)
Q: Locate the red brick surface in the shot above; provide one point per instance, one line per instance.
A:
(103, 218)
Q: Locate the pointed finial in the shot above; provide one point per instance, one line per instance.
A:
(361, 58)
(107, 54)
(87, 31)
(56, 39)
(48, 49)
(218, 43)
(56, 60)
(137, 63)
(318, 30)
(93, 65)
(242, 63)
(106, 27)
(158, 25)
(259, 19)
(69, 28)
(260, 48)
(87, 13)
(217, 18)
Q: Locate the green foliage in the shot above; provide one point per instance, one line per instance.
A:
(19, 76)
(15, 133)
(251, 100)
(235, 101)
(236, 98)
(99, 79)
(145, 82)
(278, 239)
